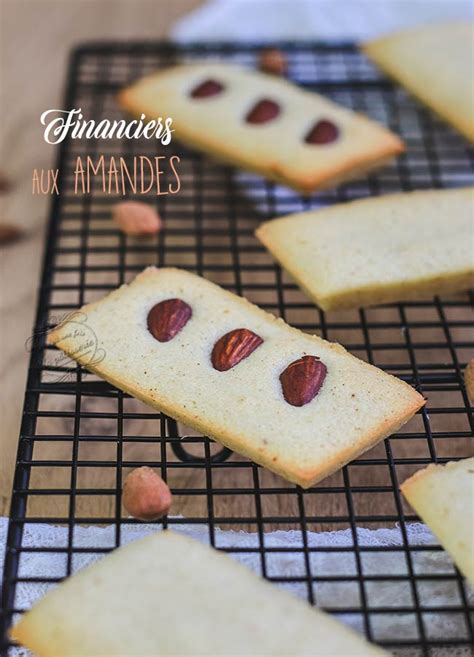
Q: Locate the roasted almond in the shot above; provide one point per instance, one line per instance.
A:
(323, 132)
(302, 380)
(168, 318)
(262, 112)
(233, 347)
(272, 60)
(9, 234)
(136, 218)
(145, 495)
(207, 88)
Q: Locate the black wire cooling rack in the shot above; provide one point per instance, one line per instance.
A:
(81, 436)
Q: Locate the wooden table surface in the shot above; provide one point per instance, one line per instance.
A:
(37, 37)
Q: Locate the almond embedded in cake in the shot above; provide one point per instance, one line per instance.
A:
(264, 123)
(292, 402)
(390, 248)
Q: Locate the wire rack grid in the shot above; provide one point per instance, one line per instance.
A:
(80, 436)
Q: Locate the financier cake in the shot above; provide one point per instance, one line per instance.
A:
(443, 497)
(436, 64)
(264, 123)
(391, 248)
(292, 402)
(127, 604)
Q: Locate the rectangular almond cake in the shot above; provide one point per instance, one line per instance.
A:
(298, 405)
(167, 595)
(443, 497)
(390, 248)
(436, 64)
(263, 123)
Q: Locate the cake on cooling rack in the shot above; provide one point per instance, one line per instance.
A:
(264, 123)
(435, 63)
(299, 405)
(127, 605)
(442, 495)
(378, 250)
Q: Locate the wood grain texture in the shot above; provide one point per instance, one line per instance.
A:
(37, 36)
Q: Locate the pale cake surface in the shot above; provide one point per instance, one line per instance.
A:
(443, 497)
(275, 149)
(169, 595)
(242, 408)
(436, 64)
(378, 250)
